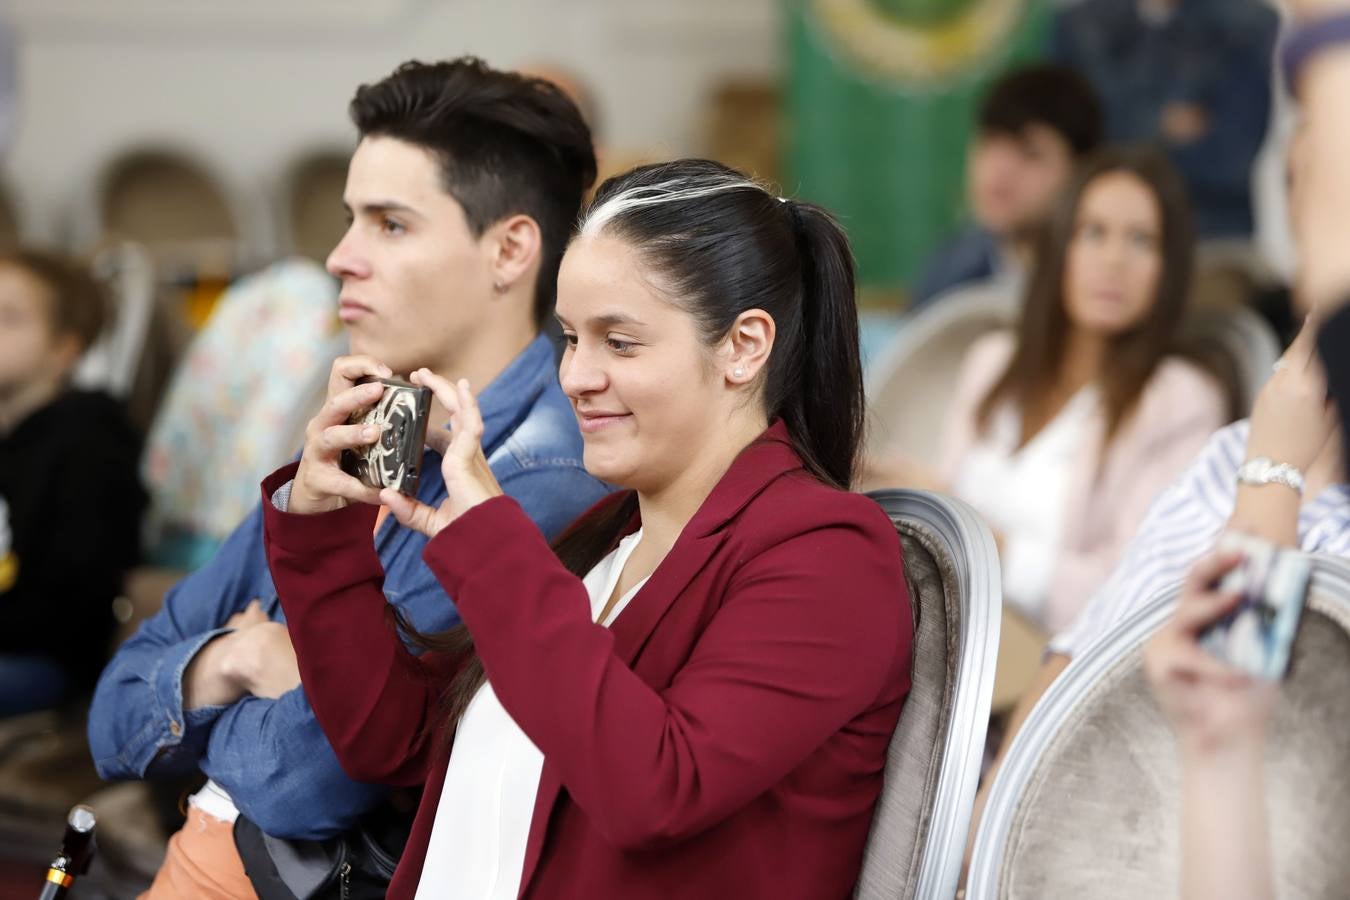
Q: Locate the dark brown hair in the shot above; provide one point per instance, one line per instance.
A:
(1057, 97)
(1043, 330)
(76, 302)
(507, 144)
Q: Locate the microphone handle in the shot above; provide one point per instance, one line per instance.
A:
(57, 883)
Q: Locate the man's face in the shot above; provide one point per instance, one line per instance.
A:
(416, 283)
(1012, 180)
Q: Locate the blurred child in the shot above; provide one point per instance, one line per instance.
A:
(70, 500)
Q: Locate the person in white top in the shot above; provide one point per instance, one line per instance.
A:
(1062, 433)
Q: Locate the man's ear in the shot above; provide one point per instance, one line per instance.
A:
(515, 244)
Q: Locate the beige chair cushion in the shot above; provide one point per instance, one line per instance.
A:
(900, 825)
(1100, 815)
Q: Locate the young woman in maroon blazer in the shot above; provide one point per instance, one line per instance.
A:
(692, 693)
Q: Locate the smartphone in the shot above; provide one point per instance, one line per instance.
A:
(395, 459)
(1257, 635)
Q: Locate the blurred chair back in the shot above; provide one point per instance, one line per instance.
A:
(313, 221)
(922, 817)
(1087, 802)
(128, 274)
(174, 206)
(11, 227)
(1237, 346)
(910, 385)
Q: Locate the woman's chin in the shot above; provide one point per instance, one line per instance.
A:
(606, 467)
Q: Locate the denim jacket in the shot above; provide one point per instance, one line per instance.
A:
(1211, 53)
(270, 755)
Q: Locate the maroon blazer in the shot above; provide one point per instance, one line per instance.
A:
(726, 737)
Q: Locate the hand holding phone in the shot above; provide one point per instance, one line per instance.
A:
(1257, 635)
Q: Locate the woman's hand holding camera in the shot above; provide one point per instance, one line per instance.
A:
(468, 479)
(320, 483)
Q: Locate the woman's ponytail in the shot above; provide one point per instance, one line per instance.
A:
(825, 411)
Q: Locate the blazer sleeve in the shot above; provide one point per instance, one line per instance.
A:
(368, 695)
(809, 634)
(1166, 444)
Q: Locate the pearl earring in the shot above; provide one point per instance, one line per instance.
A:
(738, 373)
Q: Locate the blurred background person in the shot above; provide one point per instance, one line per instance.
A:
(1192, 75)
(1062, 433)
(70, 498)
(1034, 125)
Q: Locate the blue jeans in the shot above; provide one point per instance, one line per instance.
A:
(29, 683)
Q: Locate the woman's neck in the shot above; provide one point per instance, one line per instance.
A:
(20, 401)
(667, 510)
(1084, 356)
(1084, 359)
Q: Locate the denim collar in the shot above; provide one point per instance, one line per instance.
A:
(508, 399)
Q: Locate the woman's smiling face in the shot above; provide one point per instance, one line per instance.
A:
(645, 387)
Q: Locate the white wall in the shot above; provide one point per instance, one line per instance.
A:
(245, 85)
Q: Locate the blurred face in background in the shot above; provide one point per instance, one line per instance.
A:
(1114, 263)
(416, 282)
(30, 349)
(1012, 180)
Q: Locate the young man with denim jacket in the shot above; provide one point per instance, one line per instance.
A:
(461, 195)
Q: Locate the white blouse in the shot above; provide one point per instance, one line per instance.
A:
(477, 846)
(1023, 493)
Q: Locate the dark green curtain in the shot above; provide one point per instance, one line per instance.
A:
(880, 97)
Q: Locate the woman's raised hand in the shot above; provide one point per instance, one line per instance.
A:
(468, 479)
(320, 484)
(1292, 418)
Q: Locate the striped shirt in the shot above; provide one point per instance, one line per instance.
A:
(1183, 525)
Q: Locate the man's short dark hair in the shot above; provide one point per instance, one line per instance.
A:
(507, 144)
(77, 303)
(1054, 96)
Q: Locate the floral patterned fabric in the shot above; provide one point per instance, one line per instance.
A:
(236, 408)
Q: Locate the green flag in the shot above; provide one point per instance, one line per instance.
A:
(880, 99)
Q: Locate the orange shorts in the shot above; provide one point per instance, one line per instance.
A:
(201, 864)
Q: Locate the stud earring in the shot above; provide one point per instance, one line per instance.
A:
(737, 373)
(498, 286)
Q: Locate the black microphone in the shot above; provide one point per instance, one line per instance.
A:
(77, 851)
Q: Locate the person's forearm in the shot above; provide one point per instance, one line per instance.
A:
(209, 679)
(1324, 87)
(1268, 511)
(295, 790)
(1225, 844)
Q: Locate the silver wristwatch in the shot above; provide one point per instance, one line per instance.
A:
(1264, 470)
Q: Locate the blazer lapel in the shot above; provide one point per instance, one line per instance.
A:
(631, 630)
